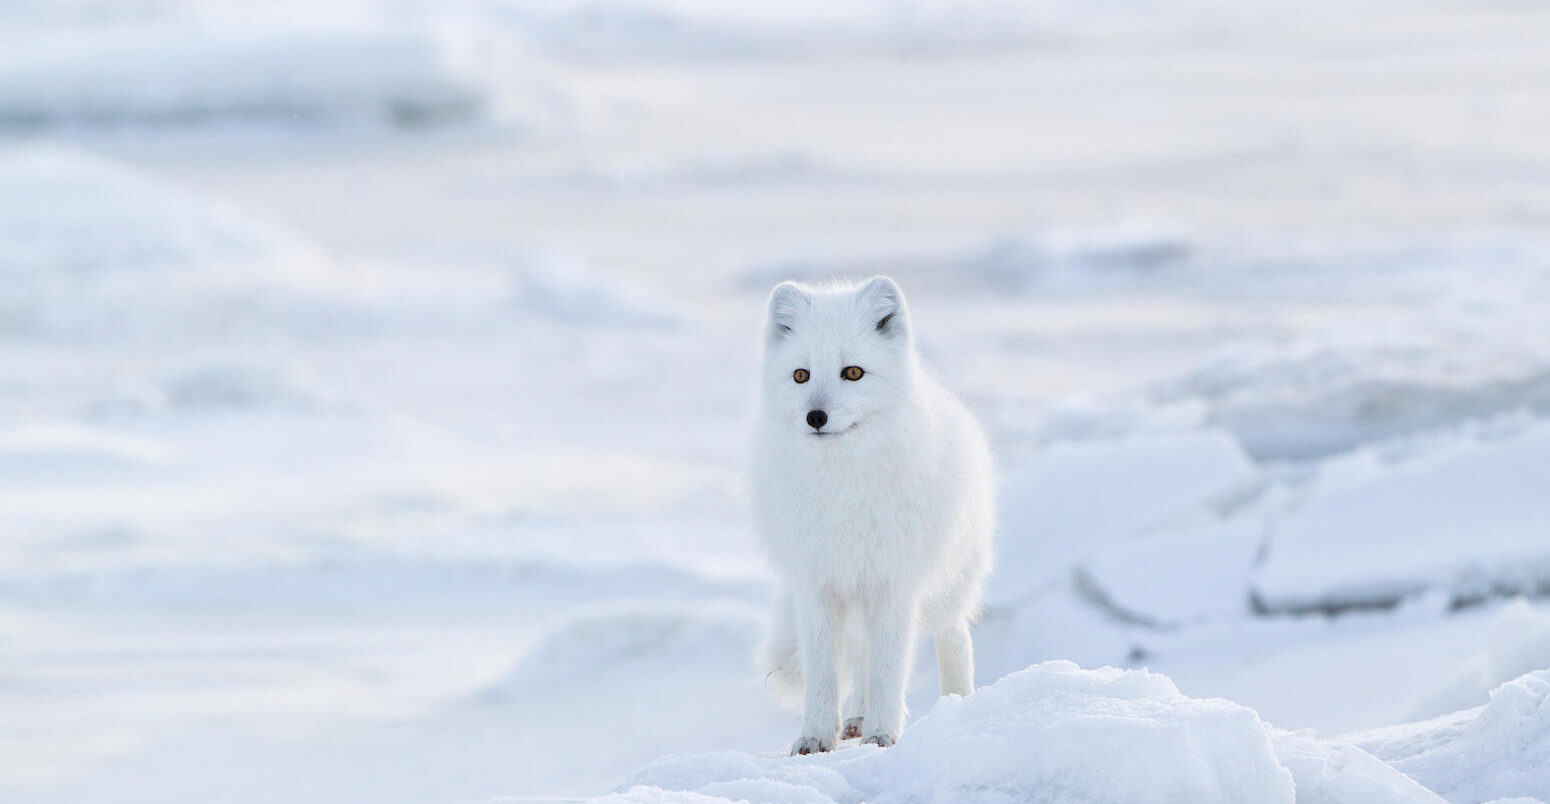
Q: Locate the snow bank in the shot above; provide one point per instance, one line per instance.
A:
(1053, 733)
(1463, 511)
(1500, 750)
(187, 70)
(1074, 499)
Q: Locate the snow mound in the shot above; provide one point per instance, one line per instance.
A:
(184, 70)
(1074, 499)
(1064, 727)
(1466, 513)
(1053, 733)
(1500, 750)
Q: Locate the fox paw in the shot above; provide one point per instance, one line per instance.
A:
(880, 740)
(852, 729)
(811, 745)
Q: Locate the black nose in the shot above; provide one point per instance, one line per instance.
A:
(816, 419)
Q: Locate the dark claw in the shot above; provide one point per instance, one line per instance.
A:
(811, 745)
(880, 740)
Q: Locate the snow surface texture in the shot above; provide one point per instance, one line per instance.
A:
(1056, 733)
(1050, 733)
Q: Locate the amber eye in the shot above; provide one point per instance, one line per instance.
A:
(800, 375)
(852, 373)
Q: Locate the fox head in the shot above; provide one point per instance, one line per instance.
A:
(836, 358)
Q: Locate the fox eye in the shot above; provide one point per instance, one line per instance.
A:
(800, 375)
(852, 373)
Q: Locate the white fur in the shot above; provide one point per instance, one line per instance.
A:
(881, 530)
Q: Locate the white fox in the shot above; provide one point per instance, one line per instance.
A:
(872, 488)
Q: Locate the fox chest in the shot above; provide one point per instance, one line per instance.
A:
(847, 523)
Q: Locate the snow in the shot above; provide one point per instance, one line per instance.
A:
(1047, 733)
(1326, 394)
(1325, 774)
(1073, 499)
(193, 65)
(1372, 527)
(1497, 751)
(376, 376)
(1181, 574)
(573, 653)
(1056, 733)
(1412, 663)
(1381, 525)
(90, 247)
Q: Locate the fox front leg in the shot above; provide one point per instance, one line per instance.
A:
(891, 637)
(817, 628)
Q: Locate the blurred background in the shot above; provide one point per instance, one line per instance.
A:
(374, 374)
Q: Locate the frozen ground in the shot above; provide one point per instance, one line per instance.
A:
(374, 432)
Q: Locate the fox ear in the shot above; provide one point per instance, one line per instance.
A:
(884, 303)
(787, 301)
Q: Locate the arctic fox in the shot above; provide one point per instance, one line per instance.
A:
(872, 489)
